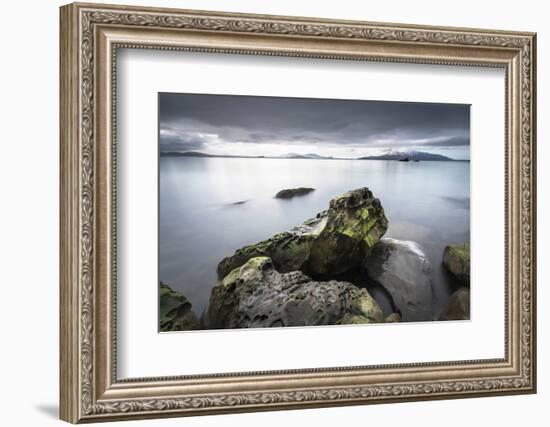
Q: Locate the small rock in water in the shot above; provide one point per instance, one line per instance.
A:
(289, 193)
(240, 202)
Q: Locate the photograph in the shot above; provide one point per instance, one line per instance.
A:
(281, 212)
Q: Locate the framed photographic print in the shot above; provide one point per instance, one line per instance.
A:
(264, 212)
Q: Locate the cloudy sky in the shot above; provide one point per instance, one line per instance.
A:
(270, 126)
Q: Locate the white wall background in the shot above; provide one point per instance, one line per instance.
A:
(29, 170)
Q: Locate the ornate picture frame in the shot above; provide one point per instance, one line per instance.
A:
(90, 37)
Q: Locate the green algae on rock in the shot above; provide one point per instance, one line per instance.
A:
(355, 223)
(288, 250)
(257, 295)
(175, 311)
(456, 258)
(354, 319)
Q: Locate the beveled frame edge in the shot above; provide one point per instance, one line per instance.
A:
(89, 391)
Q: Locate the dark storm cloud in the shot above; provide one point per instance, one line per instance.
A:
(174, 140)
(191, 121)
(457, 141)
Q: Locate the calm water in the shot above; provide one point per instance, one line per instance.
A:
(428, 202)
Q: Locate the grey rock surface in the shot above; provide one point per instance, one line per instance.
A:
(403, 269)
(458, 307)
(257, 295)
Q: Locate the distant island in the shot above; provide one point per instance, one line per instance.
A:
(304, 156)
(409, 155)
(391, 155)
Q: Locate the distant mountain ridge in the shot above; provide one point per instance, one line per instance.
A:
(302, 156)
(199, 154)
(410, 155)
(390, 155)
(284, 156)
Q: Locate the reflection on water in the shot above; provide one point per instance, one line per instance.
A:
(209, 207)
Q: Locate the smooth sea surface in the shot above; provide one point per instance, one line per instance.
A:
(200, 223)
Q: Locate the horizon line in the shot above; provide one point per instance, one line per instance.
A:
(297, 156)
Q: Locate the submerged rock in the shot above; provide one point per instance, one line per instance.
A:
(355, 223)
(403, 269)
(458, 307)
(175, 311)
(456, 258)
(257, 295)
(334, 242)
(289, 193)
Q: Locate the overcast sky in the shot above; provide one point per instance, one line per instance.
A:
(268, 126)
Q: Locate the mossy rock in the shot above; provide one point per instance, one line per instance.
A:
(364, 305)
(288, 251)
(175, 311)
(456, 258)
(355, 223)
(354, 319)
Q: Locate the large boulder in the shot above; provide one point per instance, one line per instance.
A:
(403, 269)
(175, 311)
(458, 307)
(456, 258)
(257, 295)
(355, 223)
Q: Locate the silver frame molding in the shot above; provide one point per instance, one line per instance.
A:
(90, 37)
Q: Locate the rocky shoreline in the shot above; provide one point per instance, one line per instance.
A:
(317, 272)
